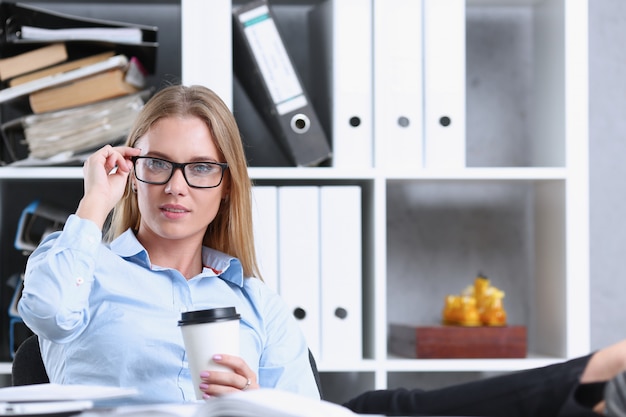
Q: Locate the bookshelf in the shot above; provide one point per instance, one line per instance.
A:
(517, 211)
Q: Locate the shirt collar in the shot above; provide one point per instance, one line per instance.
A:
(215, 263)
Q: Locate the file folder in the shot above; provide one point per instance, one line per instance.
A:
(341, 33)
(266, 71)
(265, 226)
(16, 15)
(398, 92)
(341, 273)
(299, 259)
(444, 83)
(261, 149)
(36, 222)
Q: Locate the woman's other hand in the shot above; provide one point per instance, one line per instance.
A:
(215, 383)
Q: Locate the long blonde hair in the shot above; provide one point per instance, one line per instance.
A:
(231, 230)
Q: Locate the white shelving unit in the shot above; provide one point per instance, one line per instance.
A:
(520, 217)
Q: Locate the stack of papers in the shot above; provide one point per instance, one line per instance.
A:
(55, 399)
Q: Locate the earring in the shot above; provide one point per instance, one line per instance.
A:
(133, 187)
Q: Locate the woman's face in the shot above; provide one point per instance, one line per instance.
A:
(175, 210)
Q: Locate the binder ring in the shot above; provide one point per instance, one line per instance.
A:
(300, 123)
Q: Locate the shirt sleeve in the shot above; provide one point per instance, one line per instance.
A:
(58, 279)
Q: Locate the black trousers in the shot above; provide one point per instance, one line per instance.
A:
(548, 391)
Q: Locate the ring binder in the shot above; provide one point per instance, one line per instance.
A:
(266, 72)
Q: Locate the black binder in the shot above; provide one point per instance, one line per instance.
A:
(266, 71)
(13, 16)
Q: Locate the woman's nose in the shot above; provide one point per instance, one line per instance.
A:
(177, 183)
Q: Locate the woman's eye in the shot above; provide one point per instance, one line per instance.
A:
(157, 165)
(203, 169)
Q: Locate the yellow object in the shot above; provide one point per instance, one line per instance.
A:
(480, 304)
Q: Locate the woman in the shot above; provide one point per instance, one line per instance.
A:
(589, 386)
(180, 239)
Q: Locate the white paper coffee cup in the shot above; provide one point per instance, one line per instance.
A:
(207, 333)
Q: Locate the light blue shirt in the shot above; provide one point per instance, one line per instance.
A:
(106, 316)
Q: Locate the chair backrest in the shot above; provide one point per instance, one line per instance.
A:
(28, 367)
(316, 373)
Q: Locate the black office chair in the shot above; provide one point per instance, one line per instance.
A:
(316, 374)
(28, 368)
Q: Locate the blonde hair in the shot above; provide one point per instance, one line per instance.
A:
(231, 230)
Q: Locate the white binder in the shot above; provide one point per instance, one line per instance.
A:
(444, 83)
(341, 33)
(398, 78)
(299, 259)
(341, 273)
(202, 20)
(265, 228)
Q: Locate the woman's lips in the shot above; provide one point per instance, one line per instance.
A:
(174, 211)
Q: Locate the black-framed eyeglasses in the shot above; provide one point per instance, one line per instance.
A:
(159, 171)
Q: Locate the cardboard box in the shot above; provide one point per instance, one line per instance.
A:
(445, 342)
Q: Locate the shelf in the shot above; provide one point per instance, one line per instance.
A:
(519, 208)
(327, 174)
(468, 365)
(481, 174)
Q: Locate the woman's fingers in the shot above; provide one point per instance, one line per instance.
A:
(216, 383)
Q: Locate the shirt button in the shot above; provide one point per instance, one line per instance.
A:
(79, 281)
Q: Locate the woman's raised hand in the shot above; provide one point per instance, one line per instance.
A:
(106, 173)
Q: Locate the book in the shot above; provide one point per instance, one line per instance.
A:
(60, 68)
(117, 61)
(75, 31)
(265, 70)
(100, 86)
(446, 342)
(32, 60)
(72, 131)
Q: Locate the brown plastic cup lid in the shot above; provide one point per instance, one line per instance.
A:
(208, 316)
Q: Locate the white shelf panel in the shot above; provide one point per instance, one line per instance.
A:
(468, 365)
(481, 174)
(366, 365)
(29, 173)
(309, 173)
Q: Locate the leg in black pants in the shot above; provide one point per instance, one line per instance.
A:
(553, 390)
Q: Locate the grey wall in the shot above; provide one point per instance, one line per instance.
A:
(607, 137)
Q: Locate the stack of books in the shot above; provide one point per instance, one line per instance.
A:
(82, 90)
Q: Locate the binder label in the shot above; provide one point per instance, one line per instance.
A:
(274, 63)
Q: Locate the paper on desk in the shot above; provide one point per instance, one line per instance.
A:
(267, 402)
(155, 410)
(58, 392)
